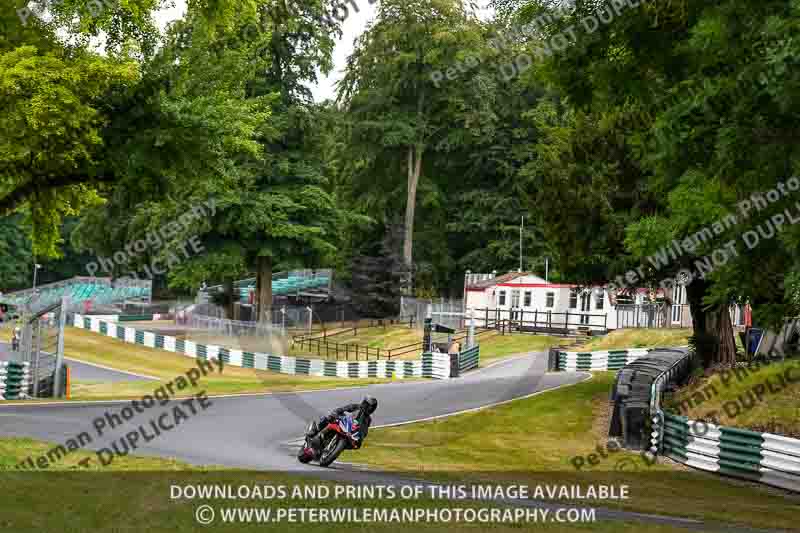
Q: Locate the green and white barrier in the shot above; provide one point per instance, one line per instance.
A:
(436, 365)
(763, 457)
(15, 380)
(599, 361)
(276, 363)
(469, 359)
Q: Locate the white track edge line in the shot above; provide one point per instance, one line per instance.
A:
(250, 394)
(256, 394)
(24, 403)
(112, 368)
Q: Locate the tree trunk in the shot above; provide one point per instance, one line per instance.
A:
(230, 299)
(719, 323)
(414, 170)
(264, 289)
(713, 332)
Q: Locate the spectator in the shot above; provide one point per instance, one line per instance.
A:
(15, 340)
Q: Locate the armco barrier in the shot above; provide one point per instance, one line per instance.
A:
(436, 366)
(631, 397)
(15, 380)
(762, 457)
(600, 360)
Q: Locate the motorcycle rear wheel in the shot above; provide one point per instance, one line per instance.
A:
(332, 451)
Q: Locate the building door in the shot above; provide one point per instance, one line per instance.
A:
(586, 301)
(515, 304)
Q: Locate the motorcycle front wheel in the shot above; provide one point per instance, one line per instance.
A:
(302, 456)
(332, 451)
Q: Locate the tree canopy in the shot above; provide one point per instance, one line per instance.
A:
(615, 130)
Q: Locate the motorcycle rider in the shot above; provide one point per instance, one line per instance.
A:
(364, 411)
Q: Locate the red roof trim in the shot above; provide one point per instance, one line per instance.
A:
(539, 285)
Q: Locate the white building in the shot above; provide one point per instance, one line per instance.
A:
(535, 303)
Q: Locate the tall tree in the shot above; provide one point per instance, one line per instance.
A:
(396, 93)
(262, 167)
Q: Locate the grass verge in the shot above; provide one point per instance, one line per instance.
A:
(501, 346)
(541, 439)
(135, 494)
(639, 338)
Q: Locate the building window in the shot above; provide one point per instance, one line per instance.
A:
(573, 299)
(501, 298)
(515, 298)
(551, 298)
(599, 301)
(528, 299)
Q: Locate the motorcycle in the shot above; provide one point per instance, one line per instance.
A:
(339, 435)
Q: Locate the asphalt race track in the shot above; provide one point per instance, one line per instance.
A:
(261, 431)
(253, 430)
(82, 371)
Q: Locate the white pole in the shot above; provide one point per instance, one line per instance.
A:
(546, 269)
(58, 389)
(464, 296)
(521, 225)
(36, 268)
(471, 331)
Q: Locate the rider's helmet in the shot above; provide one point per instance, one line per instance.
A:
(370, 404)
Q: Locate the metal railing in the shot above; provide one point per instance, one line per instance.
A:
(350, 351)
(545, 321)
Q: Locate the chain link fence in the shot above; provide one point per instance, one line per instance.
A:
(443, 311)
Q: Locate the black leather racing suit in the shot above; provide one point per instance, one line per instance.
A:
(362, 416)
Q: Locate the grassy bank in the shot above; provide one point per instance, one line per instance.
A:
(639, 338)
(165, 366)
(762, 398)
(500, 346)
(493, 344)
(540, 439)
(134, 494)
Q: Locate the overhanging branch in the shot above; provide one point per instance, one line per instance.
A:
(16, 197)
